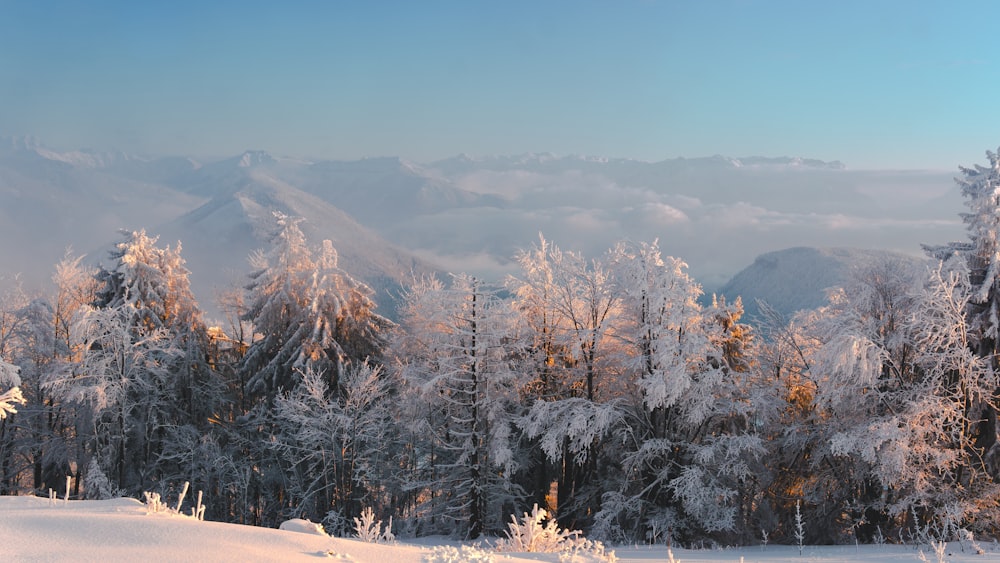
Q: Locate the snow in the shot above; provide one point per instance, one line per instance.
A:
(35, 529)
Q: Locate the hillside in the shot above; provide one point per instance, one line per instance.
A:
(797, 278)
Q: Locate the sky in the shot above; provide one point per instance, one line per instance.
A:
(876, 85)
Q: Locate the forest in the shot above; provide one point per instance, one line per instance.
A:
(606, 389)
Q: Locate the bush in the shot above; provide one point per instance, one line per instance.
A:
(533, 536)
(370, 530)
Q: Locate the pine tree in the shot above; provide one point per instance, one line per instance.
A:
(458, 371)
(310, 314)
(981, 254)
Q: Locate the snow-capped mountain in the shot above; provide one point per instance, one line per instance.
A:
(49, 203)
(464, 214)
(220, 235)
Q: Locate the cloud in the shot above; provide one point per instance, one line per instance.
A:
(715, 219)
(656, 213)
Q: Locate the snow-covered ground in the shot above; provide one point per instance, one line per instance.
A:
(33, 529)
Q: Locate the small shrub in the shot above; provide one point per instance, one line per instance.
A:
(156, 505)
(370, 530)
(533, 536)
(96, 485)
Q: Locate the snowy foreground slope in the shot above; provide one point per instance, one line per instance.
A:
(32, 529)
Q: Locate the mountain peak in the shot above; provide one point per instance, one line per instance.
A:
(254, 158)
(786, 162)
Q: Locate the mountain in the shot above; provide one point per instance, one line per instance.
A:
(797, 278)
(219, 236)
(219, 211)
(49, 202)
(388, 216)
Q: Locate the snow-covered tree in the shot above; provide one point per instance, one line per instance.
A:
(136, 362)
(685, 447)
(644, 411)
(12, 301)
(336, 447)
(308, 313)
(12, 396)
(308, 316)
(860, 371)
(459, 377)
(889, 428)
(981, 253)
(117, 383)
(569, 305)
(155, 284)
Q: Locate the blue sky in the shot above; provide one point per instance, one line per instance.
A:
(875, 84)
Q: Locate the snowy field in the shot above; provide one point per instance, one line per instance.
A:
(33, 529)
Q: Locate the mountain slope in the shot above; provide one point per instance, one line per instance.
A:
(48, 203)
(797, 278)
(219, 236)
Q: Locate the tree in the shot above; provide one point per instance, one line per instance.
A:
(981, 254)
(117, 386)
(310, 314)
(889, 438)
(458, 369)
(336, 447)
(686, 444)
(12, 396)
(865, 378)
(137, 365)
(12, 301)
(570, 306)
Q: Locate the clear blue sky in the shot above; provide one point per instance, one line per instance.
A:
(876, 84)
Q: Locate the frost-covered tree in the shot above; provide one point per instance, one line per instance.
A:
(685, 447)
(570, 306)
(9, 399)
(117, 386)
(981, 253)
(154, 283)
(336, 448)
(862, 372)
(136, 365)
(459, 377)
(12, 301)
(308, 316)
(889, 434)
(644, 411)
(10, 380)
(51, 446)
(308, 313)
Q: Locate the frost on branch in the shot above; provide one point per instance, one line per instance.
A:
(531, 535)
(9, 376)
(370, 530)
(576, 422)
(7, 401)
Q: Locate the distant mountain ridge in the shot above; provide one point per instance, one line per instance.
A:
(391, 218)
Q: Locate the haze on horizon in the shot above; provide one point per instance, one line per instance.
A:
(882, 85)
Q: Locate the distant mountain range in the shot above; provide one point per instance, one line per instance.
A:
(391, 219)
